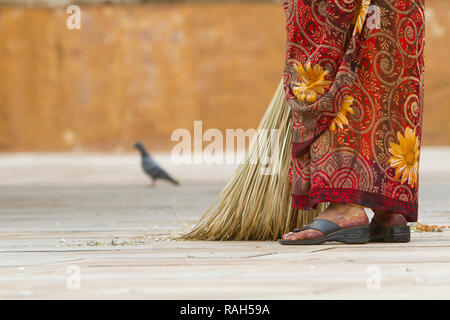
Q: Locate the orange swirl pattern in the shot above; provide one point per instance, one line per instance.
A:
(353, 78)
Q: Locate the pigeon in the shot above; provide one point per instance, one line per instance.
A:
(151, 167)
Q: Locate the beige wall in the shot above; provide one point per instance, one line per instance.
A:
(138, 72)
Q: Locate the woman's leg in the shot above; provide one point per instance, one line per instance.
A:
(389, 218)
(344, 215)
(389, 226)
(359, 139)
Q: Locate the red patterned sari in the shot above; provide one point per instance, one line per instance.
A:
(354, 81)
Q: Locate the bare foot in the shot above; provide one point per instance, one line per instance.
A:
(344, 215)
(388, 226)
(388, 218)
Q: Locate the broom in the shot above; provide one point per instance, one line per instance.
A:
(253, 205)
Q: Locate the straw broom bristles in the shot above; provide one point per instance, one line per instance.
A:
(256, 206)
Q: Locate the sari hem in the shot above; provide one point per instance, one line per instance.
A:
(362, 198)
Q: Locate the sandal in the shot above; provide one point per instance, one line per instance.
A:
(332, 232)
(389, 234)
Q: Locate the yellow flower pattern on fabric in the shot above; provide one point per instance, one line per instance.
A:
(405, 157)
(311, 82)
(341, 118)
(361, 13)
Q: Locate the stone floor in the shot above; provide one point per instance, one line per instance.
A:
(76, 226)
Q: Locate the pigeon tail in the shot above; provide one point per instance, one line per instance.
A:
(165, 176)
(175, 182)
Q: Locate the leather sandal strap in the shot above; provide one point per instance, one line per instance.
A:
(324, 226)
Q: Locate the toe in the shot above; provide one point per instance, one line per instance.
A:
(311, 234)
(302, 235)
(286, 236)
(298, 236)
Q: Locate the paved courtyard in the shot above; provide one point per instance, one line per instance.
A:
(76, 226)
